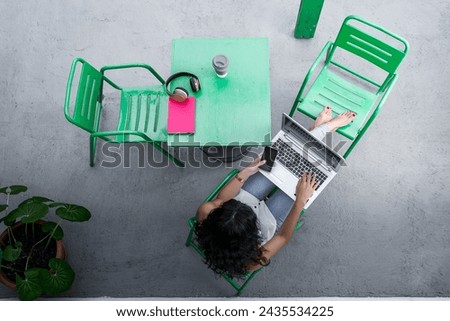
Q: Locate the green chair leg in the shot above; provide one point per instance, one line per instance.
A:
(177, 162)
(243, 286)
(93, 146)
(240, 287)
(353, 144)
(299, 224)
(189, 239)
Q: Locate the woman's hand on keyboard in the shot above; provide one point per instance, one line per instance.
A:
(306, 187)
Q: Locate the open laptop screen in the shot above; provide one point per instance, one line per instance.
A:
(311, 143)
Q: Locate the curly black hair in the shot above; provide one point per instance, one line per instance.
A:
(230, 238)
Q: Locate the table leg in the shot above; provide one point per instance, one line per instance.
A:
(308, 17)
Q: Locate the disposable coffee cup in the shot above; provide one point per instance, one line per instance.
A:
(220, 64)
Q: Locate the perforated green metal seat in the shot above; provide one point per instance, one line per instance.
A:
(142, 114)
(336, 85)
(143, 110)
(331, 90)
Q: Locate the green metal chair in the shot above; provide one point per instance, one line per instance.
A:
(332, 86)
(238, 285)
(141, 116)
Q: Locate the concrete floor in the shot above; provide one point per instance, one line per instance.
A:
(382, 227)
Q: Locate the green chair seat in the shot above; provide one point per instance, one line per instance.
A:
(143, 110)
(329, 89)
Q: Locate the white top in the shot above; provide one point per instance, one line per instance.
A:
(266, 222)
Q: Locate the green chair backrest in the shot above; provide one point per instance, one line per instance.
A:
(368, 47)
(87, 105)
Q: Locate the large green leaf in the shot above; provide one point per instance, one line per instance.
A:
(36, 199)
(13, 189)
(48, 227)
(11, 253)
(27, 213)
(9, 219)
(30, 287)
(58, 279)
(3, 207)
(74, 213)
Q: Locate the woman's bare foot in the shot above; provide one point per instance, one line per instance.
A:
(324, 117)
(341, 120)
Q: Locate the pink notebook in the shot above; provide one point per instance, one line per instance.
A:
(181, 116)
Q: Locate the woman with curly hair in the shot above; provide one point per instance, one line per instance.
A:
(243, 228)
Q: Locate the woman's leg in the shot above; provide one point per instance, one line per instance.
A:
(320, 131)
(279, 205)
(324, 122)
(258, 185)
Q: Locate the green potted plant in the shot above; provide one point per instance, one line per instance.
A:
(32, 255)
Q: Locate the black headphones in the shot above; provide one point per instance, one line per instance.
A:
(179, 93)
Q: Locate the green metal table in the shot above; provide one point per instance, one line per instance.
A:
(230, 111)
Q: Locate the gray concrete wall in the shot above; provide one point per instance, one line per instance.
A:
(380, 229)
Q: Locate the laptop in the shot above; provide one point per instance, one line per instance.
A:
(300, 152)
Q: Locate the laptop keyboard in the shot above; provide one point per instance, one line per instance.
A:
(295, 162)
